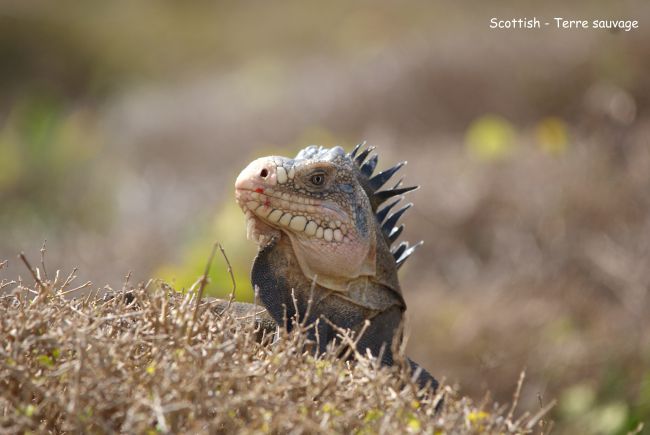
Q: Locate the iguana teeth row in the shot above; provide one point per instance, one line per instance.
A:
(333, 231)
(291, 203)
(297, 199)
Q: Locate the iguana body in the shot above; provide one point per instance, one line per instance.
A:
(322, 237)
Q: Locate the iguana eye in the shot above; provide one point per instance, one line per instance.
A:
(317, 179)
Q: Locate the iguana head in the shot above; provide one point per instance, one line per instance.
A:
(325, 202)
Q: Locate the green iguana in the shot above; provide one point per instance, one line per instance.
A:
(321, 233)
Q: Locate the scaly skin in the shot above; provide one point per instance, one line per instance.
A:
(315, 219)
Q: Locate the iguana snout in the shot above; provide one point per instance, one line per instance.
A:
(319, 205)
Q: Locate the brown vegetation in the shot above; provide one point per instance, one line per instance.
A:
(161, 362)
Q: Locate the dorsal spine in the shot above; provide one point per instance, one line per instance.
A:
(389, 223)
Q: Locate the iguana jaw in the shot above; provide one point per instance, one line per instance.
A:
(322, 233)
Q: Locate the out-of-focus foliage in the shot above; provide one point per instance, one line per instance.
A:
(227, 229)
(48, 167)
(491, 138)
(578, 404)
(552, 135)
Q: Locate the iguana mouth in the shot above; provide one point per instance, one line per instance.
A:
(267, 212)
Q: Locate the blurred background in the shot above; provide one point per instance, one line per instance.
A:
(123, 125)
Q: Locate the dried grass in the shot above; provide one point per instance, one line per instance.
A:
(151, 364)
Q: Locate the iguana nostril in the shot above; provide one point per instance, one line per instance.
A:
(264, 173)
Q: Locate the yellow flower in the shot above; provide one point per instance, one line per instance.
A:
(552, 137)
(491, 138)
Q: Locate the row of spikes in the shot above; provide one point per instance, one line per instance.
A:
(388, 222)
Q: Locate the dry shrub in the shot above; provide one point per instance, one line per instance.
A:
(158, 361)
